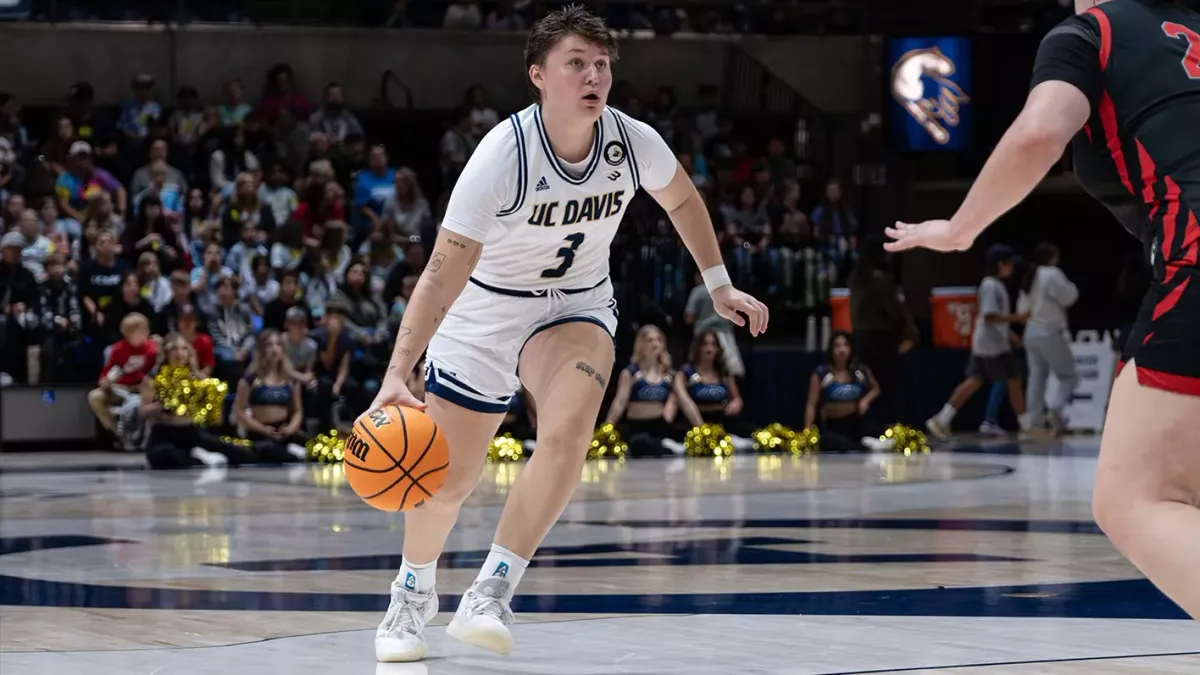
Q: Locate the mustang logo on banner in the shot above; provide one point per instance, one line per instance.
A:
(929, 82)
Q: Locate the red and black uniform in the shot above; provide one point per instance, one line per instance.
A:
(1138, 62)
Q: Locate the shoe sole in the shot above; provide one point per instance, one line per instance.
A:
(497, 643)
(400, 657)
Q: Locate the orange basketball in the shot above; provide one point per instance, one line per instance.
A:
(396, 458)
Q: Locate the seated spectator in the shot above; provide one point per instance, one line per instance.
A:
(14, 206)
(333, 245)
(128, 301)
(337, 390)
(463, 16)
(233, 108)
(231, 324)
(92, 124)
(231, 159)
(381, 253)
(246, 207)
(99, 285)
(709, 385)
(64, 233)
(187, 320)
(128, 362)
(840, 393)
(181, 298)
(143, 178)
(366, 316)
(649, 396)
(169, 193)
(456, 145)
(56, 149)
(19, 299)
(186, 124)
(372, 189)
(400, 303)
(301, 349)
(406, 209)
(268, 406)
(321, 286)
(174, 441)
(275, 311)
(138, 110)
(281, 94)
(61, 321)
(242, 254)
(81, 179)
(333, 118)
(208, 276)
(35, 248)
(287, 253)
(323, 204)
(259, 288)
(278, 193)
(153, 232)
(156, 288)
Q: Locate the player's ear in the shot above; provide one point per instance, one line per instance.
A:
(535, 76)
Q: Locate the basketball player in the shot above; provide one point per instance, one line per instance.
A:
(517, 282)
(1125, 73)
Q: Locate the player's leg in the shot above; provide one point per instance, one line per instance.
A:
(991, 413)
(1148, 485)
(399, 637)
(566, 368)
(939, 424)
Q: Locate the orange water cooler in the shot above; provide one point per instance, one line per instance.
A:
(839, 309)
(953, 311)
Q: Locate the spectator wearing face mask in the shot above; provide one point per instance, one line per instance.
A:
(332, 118)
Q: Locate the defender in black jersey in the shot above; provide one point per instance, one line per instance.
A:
(1120, 82)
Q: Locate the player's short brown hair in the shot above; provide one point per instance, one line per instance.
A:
(570, 20)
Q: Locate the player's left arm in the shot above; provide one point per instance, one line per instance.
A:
(671, 186)
(1067, 85)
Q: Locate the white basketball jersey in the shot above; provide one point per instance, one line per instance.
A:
(555, 222)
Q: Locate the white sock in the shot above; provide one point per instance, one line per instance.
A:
(946, 415)
(505, 564)
(417, 578)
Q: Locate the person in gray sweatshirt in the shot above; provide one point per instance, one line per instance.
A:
(1046, 294)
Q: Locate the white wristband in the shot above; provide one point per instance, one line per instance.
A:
(716, 277)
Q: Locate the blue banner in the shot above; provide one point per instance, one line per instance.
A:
(14, 9)
(930, 86)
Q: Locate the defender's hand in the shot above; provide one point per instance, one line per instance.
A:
(936, 235)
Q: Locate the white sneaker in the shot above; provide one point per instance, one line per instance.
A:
(877, 444)
(1058, 422)
(992, 429)
(483, 617)
(938, 428)
(400, 638)
(209, 459)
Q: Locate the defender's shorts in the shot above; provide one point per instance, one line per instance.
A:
(1165, 340)
(473, 358)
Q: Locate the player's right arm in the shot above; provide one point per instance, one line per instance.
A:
(482, 191)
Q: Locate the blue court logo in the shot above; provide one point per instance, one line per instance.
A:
(410, 581)
(501, 570)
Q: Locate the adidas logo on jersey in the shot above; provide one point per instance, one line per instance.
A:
(542, 185)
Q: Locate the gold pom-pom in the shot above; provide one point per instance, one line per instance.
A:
(505, 449)
(606, 442)
(708, 440)
(201, 400)
(776, 438)
(905, 440)
(327, 448)
(240, 442)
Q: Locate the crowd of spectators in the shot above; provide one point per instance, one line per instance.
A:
(221, 218)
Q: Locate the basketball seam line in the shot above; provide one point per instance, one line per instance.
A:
(416, 481)
(402, 470)
(398, 466)
(404, 427)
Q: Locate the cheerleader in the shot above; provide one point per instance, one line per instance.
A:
(268, 404)
(174, 441)
(840, 392)
(710, 389)
(649, 396)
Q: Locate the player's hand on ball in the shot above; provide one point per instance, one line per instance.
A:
(733, 304)
(394, 391)
(936, 235)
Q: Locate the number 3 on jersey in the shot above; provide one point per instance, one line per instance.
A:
(1191, 60)
(567, 253)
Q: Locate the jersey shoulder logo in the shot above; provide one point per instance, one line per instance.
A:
(614, 153)
(934, 113)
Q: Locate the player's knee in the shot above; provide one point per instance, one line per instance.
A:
(567, 443)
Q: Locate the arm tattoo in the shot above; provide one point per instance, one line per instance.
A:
(592, 372)
(456, 243)
(436, 263)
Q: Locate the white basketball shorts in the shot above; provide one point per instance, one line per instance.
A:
(472, 359)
